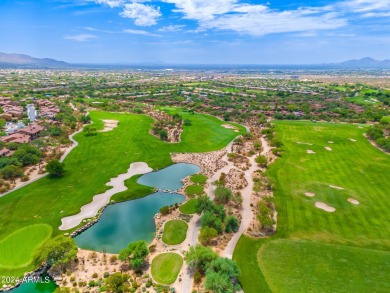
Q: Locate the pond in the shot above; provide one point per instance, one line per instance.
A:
(169, 178)
(131, 221)
(126, 222)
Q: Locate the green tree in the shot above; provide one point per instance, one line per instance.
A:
(222, 195)
(163, 134)
(261, 161)
(135, 254)
(207, 234)
(199, 257)
(117, 283)
(231, 224)
(221, 276)
(11, 172)
(57, 252)
(55, 168)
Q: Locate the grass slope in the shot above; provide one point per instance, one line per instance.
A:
(175, 232)
(97, 159)
(351, 233)
(192, 190)
(189, 207)
(198, 178)
(166, 267)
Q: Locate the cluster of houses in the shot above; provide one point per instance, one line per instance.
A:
(11, 109)
(20, 134)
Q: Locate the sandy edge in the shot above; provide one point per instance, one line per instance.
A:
(336, 187)
(100, 200)
(310, 194)
(109, 125)
(353, 201)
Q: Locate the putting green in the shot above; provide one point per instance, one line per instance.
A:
(310, 241)
(94, 162)
(175, 232)
(166, 267)
(14, 251)
(189, 207)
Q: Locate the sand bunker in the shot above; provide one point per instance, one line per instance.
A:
(310, 152)
(351, 139)
(109, 125)
(330, 141)
(325, 207)
(336, 187)
(100, 200)
(310, 194)
(353, 201)
(306, 143)
(228, 126)
(328, 148)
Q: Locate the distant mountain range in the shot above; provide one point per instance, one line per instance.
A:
(26, 61)
(365, 63)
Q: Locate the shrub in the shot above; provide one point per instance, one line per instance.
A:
(165, 210)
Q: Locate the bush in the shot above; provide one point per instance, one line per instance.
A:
(222, 195)
(231, 224)
(165, 210)
(106, 275)
(207, 234)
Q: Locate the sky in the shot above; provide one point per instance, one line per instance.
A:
(196, 31)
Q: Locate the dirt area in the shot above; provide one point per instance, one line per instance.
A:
(328, 148)
(209, 162)
(310, 194)
(310, 152)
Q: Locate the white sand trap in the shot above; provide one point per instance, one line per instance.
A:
(228, 126)
(360, 127)
(330, 141)
(306, 143)
(328, 149)
(100, 200)
(310, 194)
(353, 201)
(109, 125)
(351, 139)
(336, 187)
(325, 207)
(310, 152)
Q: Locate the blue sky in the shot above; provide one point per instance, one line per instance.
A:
(196, 31)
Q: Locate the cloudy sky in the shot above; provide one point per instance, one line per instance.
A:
(197, 31)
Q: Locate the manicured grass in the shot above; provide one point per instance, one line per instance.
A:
(194, 189)
(352, 232)
(189, 207)
(35, 235)
(166, 267)
(95, 161)
(198, 178)
(175, 232)
(245, 254)
(306, 266)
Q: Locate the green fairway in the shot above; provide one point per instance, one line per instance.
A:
(175, 232)
(355, 232)
(312, 267)
(97, 159)
(35, 235)
(166, 267)
(192, 190)
(189, 207)
(198, 178)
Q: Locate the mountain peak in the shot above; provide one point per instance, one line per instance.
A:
(22, 60)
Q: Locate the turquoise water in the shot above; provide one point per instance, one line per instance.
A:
(126, 222)
(169, 178)
(40, 287)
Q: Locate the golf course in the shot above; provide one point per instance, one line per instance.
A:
(331, 189)
(32, 214)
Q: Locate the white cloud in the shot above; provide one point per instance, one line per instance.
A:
(143, 15)
(111, 3)
(80, 37)
(139, 32)
(172, 28)
(360, 6)
(256, 20)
